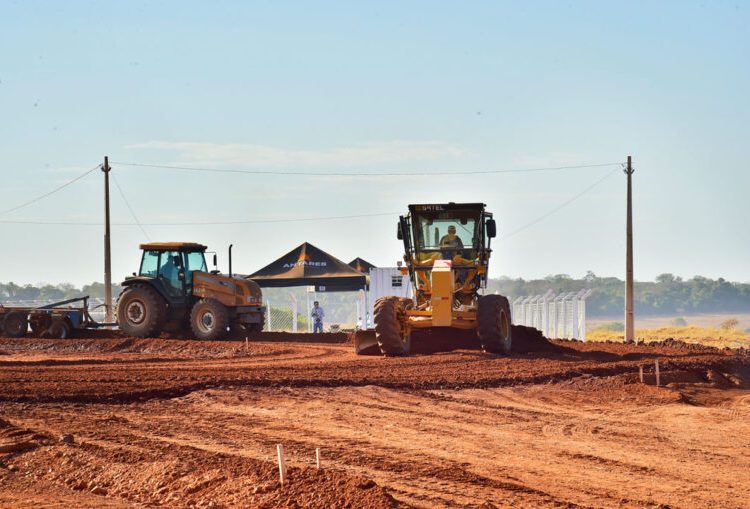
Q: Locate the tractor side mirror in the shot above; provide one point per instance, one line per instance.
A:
(491, 228)
(181, 275)
(215, 262)
(399, 233)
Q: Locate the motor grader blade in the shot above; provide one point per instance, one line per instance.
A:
(365, 343)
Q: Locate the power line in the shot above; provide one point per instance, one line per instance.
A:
(206, 223)
(365, 174)
(293, 220)
(562, 205)
(42, 196)
(132, 213)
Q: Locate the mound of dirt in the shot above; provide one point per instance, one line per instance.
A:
(525, 340)
(529, 339)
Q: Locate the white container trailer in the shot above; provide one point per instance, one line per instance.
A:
(385, 282)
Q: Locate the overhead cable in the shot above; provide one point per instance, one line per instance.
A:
(206, 223)
(561, 206)
(364, 174)
(42, 196)
(132, 213)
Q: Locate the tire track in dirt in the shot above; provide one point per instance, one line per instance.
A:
(559, 427)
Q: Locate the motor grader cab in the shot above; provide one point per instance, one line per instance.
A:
(446, 255)
(174, 290)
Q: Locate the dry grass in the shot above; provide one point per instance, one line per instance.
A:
(654, 322)
(732, 338)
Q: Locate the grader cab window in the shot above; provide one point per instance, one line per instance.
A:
(452, 233)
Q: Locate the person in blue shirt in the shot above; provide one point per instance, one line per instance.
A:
(317, 315)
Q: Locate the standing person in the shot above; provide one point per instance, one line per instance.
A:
(317, 315)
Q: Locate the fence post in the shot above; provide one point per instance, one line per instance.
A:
(568, 310)
(270, 319)
(293, 299)
(528, 317)
(582, 314)
(545, 312)
(516, 313)
(362, 309)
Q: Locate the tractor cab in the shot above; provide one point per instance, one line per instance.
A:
(173, 290)
(171, 265)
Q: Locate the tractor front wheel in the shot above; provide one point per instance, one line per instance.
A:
(494, 320)
(209, 320)
(141, 311)
(391, 331)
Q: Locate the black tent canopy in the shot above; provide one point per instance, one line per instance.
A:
(361, 265)
(307, 265)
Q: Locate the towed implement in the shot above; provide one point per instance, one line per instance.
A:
(57, 320)
(446, 255)
(174, 291)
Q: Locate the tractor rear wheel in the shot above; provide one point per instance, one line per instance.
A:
(391, 332)
(494, 320)
(16, 324)
(141, 311)
(209, 320)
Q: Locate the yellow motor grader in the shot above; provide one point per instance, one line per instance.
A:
(446, 254)
(174, 290)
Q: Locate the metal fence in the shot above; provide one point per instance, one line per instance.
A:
(561, 316)
(291, 312)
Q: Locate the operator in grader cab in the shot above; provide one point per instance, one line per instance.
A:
(452, 242)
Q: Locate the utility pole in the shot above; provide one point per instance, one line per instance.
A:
(629, 318)
(107, 252)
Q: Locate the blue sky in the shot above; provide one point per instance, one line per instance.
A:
(385, 86)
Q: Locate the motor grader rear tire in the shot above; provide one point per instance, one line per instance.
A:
(209, 320)
(494, 320)
(391, 332)
(141, 311)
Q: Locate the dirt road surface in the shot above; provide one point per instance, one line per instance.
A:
(178, 423)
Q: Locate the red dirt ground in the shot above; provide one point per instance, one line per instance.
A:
(184, 423)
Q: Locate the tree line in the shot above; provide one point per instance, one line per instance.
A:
(12, 292)
(668, 294)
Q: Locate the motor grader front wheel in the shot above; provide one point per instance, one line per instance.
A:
(391, 331)
(494, 329)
